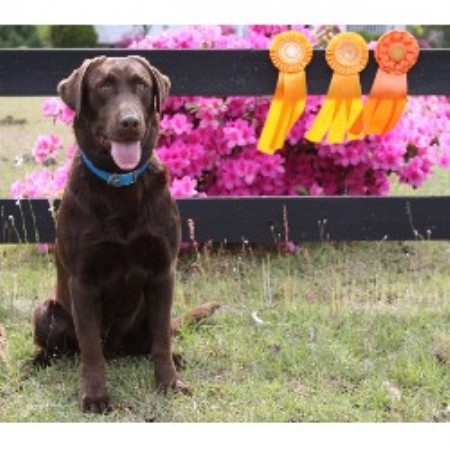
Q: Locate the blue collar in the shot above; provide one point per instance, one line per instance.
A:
(114, 179)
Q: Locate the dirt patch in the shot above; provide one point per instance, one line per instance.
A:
(11, 121)
(441, 348)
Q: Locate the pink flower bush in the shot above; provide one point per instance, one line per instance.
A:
(46, 147)
(60, 112)
(184, 187)
(209, 144)
(37, 184)
(238, 133)
(444, 157)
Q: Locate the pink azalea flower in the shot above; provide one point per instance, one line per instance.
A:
(71, 151)
(444, 141)
(54, 107)
(184, 187)
(316, 190)
(60, 178)
(239, 133)
(46, 147)
(415, 173)
(389, 156)
(180, 124)
(271, 166)
(18, 189)
(43, 248)
(39, 183)
(51, 107)
(444, 160)
(66, 115)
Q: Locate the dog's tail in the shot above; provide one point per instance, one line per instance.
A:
(193, 316)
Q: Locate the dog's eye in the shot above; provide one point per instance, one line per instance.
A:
(140, 86)
(106, 87)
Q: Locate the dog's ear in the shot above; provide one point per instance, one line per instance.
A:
(71, 89)
(161, 82)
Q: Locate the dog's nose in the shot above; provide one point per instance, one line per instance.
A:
(129, 122)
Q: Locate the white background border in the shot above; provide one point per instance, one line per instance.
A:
(162, 12)
(219, 436)
(224, 436)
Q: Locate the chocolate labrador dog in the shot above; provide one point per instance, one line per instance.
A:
(118, 230)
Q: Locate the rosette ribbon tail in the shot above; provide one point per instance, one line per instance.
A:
(340, 108)
(287, 106)
(384, 106)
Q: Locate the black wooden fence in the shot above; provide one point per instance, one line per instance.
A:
(258, 220)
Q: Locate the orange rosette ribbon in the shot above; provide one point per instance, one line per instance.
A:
(290, 53)
(347, 55)
(396, 52)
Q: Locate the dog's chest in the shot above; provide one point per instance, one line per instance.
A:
(129, 261)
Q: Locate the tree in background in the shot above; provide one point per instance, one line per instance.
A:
(73, 36)
(19, 36)
(58, 36)
(436, 36)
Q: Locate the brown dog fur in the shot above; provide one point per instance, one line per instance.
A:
(116, 247)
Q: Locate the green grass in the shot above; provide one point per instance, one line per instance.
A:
(352, 332)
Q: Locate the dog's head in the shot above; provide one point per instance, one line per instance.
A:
(117, 102)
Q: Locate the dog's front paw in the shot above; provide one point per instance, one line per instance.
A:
(181, 386)
(175, 384)
(167, 377)
(96, 404)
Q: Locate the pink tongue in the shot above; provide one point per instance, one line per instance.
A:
(126, 154)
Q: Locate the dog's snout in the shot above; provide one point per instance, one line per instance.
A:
(129, 122)
(125, 125)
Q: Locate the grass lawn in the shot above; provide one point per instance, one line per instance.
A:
(334, 332)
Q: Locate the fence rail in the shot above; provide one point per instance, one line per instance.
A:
(267, 220)
(205, 72)
(258, 220)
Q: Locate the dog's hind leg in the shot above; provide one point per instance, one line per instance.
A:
(54, 333)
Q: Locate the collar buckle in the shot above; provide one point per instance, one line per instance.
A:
(114, 180)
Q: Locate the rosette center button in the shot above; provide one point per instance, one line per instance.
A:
(347, 54)
(292, 52)
(397, 52)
